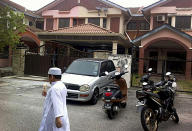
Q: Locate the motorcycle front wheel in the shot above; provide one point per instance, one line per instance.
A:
(148, 119)
(110, 114)
(175, 116)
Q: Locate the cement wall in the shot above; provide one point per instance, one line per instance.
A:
(120, 61)
(101, 54)
(18, 61)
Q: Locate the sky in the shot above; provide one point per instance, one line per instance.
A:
(37, 4)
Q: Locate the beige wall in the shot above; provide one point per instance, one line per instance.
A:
(82, 12)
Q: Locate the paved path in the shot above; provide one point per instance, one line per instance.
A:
(21, 109)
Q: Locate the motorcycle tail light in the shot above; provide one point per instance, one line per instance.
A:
(108, 94)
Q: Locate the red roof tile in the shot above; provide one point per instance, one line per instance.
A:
(136, 10)
(83, 29)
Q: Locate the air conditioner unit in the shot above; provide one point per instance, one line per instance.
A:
(160, 18)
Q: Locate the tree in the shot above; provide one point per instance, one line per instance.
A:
(11, 26)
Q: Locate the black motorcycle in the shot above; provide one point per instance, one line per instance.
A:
(156, 108)
(147, 83)
(115, 95)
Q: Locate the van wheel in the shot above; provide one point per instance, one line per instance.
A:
(95, 97)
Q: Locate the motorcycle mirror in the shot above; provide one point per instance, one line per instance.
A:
(168, 73)
(150, 69)
(126, 66)
(106, 73)
(144, 83)
(117, 73)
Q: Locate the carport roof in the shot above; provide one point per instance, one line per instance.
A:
(85, 32)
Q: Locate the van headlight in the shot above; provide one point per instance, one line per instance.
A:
(84, 88)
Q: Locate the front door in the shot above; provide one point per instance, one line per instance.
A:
(176, 62)
(114, 24)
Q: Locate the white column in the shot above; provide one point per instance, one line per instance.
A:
(42, 49)
(173, 21)
(114, 51)
(151, 22)
(86, 20)
(108, 23)
(121, 25)
(191, 22)
(101, 22)
(45, 22)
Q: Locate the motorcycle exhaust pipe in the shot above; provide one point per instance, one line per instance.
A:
(116, 108)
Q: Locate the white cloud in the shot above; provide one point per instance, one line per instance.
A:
(37, 4)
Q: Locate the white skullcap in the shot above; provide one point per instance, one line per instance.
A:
(54, 71)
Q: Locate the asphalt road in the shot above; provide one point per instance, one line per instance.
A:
(21, 107)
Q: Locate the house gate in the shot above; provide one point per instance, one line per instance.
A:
(39, 60)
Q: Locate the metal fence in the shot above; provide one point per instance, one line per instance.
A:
(160, 66)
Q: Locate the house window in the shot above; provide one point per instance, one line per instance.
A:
(95, 21)
(40, 24)
(64, 22)
(104, 22)
(49, 24)
(169, 20)
(132, 26)
(144, 26)
(138, 25)
(4, 53)
(183, 22)
(30, 23)
(78, 21)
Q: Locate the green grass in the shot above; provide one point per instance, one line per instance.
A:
(136, 80)
(185, 85)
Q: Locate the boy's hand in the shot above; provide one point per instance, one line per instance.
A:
(58, 122)
(44, 93)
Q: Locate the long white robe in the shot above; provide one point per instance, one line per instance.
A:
(55, 106)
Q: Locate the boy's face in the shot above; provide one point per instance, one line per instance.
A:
(50, 78)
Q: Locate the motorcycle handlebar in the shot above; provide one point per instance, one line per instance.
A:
(116, 76)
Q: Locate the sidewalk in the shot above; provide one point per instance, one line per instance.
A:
(27, 77)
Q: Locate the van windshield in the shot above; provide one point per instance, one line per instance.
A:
(82, 67)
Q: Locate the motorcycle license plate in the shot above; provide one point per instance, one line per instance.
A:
(107, 106)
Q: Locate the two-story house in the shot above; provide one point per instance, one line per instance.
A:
(34, 24)
(87, 25)
(163, 31)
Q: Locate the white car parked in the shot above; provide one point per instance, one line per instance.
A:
(85, 78)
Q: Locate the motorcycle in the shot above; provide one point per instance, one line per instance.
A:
(148, 85)
(115, 94)
(156, 108)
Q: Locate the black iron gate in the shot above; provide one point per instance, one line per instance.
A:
(38, 61)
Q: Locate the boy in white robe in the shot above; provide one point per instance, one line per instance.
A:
(55, 116)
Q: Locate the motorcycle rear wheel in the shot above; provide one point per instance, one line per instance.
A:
(148, 120)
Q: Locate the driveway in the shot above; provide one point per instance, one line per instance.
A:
(21, 107)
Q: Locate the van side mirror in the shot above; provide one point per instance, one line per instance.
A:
(102, 74)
